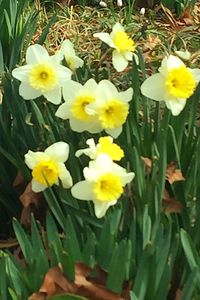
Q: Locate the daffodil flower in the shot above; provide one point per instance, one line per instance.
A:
(42, 75)
(105, 145)
(103, 184)
(77, 97)
(48, 167)
(174, 84)
(122, 44)
(72, 60)
(111, 107)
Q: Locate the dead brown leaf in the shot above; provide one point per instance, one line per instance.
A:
(173, 174)
(38, 296)
(31, 201)
(170, 204)
(147, 162)
(55, 283)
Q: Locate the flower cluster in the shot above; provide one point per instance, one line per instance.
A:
(104, 179)
(44, 74)
(95, 107)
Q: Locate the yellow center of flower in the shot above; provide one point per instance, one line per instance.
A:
(108, 187)
(113, 150)
(78, 107)
(43, 77)
(46, 172)
(180, 83)
(123, 42)
(113, 114)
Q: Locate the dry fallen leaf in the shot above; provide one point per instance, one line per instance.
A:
(171, 205)
(173, 174)
(38, 296)
(31, 201)
(56, 283)
(147, 162)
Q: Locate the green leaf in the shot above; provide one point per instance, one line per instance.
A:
(24, 242)
(189, 249)
(116, 270)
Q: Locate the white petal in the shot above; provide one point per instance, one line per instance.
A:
(86, 151)
(71, 89)
(127, 95)
(77, 125)
(21, 72)
(101, 208)
(67, 47)
(64, 73)
(196, 74)
(185, 55)
(37, 187)
(65, 176)
(103, 164)
(94, 126)
(168, 63)
(58, 151)
(117, 27)
(78, 62)
(82, 190)
(127, 178)
(128, 55)
(114, 132)
(63, 111)
(176, 106)
(119, 62)
(105, 37)
(154, 87)
(54, 95)
(32, 158)
(91, 85)
(106, 89)
(27, 92)
(36, 54)
(56, 58)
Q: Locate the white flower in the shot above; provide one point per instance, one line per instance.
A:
(103, 184)
(111, 107)
(174, 84)
(42, 75)
(123, 46)
(72, 60)
(77, 97)
(105, 145)
(48, 167)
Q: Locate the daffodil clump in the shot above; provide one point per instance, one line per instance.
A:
(95, 107)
